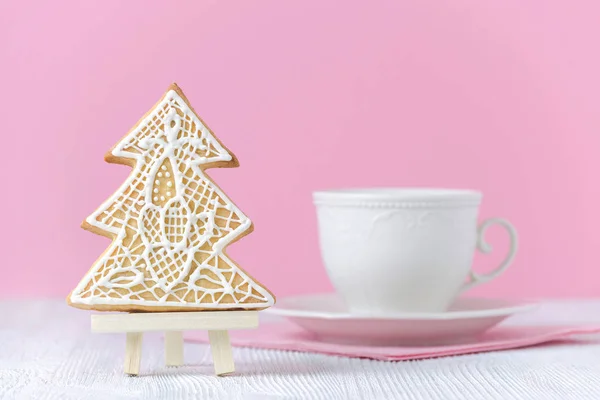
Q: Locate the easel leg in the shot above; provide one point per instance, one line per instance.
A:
(221, 352)
(174, 348)
(133, 352)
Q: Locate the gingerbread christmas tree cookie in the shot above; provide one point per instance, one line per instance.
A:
(169, 223)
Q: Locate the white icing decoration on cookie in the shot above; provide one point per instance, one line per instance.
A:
(167, 251)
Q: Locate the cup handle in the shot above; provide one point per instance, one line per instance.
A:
(485, 247)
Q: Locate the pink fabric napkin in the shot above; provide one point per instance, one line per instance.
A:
(287, 336)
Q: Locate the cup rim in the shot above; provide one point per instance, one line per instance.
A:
(408, 195)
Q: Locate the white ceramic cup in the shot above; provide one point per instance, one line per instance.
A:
(403, 250)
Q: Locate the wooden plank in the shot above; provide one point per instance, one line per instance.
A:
(174, 348)
(175, 321)
(133, 352)
(221, 352)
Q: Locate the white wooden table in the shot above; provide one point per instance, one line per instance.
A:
(48, 352)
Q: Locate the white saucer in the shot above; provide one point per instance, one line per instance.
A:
(326, 316)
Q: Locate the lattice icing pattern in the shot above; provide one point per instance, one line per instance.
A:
(170, 223)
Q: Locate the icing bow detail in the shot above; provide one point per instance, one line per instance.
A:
(176, 140)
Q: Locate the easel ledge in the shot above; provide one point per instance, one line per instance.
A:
(217, 323)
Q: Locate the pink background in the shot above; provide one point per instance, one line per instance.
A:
(497, 96)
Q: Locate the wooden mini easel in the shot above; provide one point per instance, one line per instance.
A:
(217, 323)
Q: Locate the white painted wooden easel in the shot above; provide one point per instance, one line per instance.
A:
(217, 323)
